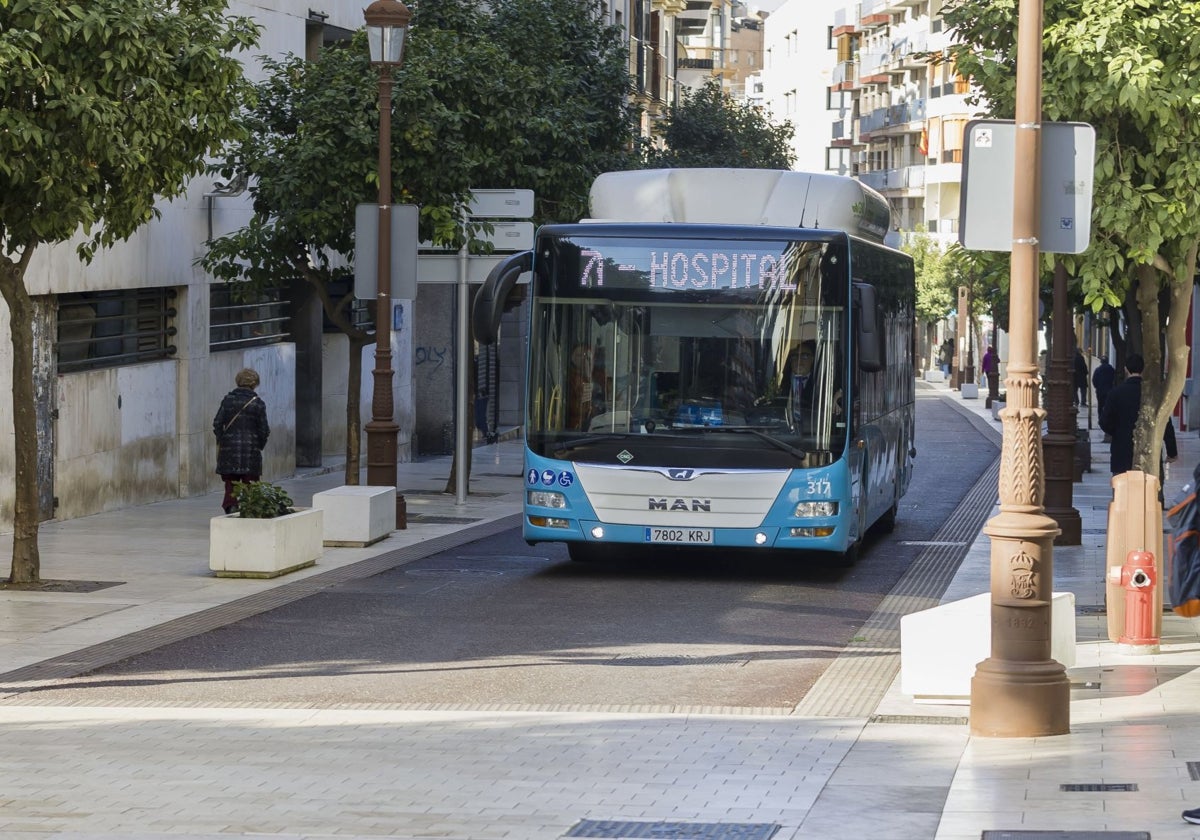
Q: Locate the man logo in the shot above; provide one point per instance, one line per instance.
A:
(681, 475)
(693, 505)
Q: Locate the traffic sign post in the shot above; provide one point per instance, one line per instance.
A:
(985, 213)
(404, 250)
(506, 237)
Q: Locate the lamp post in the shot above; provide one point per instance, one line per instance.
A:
(1020, 691)
(387, 24)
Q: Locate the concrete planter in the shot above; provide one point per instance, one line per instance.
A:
(997, 407)
(264, 548)
(357, 515)
(970, 391)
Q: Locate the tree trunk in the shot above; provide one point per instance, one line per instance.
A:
(1162, 383)
(26, 561)
(354, 411)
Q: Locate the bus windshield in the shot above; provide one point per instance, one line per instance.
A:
(731, 351)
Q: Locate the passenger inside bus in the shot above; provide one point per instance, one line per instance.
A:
(580, 389)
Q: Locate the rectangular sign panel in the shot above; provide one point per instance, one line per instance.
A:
(505, 236)
(443, 268)
(501, 204)
(1068, 151)
(404, 251)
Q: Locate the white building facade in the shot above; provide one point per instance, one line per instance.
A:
(135, 350)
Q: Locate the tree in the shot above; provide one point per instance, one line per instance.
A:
(707, 127)
(473, 107)
(105, 107)
(1125, 66)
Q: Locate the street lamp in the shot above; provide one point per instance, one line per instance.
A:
(1020, 691)
(387, 24)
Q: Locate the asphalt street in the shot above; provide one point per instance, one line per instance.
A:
(501, 622)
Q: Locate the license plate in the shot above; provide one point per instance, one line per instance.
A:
(680, 536)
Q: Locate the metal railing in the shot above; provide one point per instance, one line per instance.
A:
(245, 319)
(109, 329)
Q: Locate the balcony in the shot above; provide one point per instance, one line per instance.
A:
(843, 76)
(874, 13)
(842, 133)
(898, 183)
(845, 22)
(872, 69)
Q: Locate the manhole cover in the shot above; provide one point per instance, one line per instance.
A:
(673, 830)
(666, 661)
(949, 720)
(1101, 787)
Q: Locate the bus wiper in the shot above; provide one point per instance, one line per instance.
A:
(588, 440)
(745, 430)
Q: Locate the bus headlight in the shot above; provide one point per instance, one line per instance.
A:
(809, 509)
(546, 498)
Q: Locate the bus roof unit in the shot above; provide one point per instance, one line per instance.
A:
(780, 198)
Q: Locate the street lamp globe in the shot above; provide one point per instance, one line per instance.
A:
(387, 24)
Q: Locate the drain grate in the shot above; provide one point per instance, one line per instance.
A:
(935, 719)
(622, 830)
(434, 519)
(666, 661)
(1194, 770)
(1091, 609)
(1092, 787)
(1066, 835)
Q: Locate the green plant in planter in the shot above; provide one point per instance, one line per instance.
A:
(261, 500)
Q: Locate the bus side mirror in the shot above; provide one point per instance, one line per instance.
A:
(489, 300)
(866, 329)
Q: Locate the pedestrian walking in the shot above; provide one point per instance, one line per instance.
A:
(241, 429)
(1120, 416)
(990, 367)
(1079, 394)
(1103, 379)
(946, 356)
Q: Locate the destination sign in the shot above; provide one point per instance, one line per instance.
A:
(775, 266)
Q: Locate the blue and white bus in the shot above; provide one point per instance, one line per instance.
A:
(719, 358)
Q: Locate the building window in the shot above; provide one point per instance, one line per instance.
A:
(110, 329)
(245, 319)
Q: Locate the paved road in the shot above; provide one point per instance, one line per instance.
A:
(500, 623)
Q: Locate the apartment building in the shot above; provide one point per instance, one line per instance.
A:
(874, 71)
(899, 110)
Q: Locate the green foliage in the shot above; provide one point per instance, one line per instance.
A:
(935, 297)
(708, 128)
(261, 500)
(1128, 67)
(105, 107)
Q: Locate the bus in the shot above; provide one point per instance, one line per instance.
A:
(718, 359)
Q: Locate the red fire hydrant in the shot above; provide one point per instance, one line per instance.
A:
(1139, 576)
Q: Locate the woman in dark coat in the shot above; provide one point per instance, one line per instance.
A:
(241, 428)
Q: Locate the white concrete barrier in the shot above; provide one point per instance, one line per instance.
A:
(934, 376)
(357, 515)
(940, 647)
(970, 391)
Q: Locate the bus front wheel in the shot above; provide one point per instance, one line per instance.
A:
(850, 556)
(581, 552)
